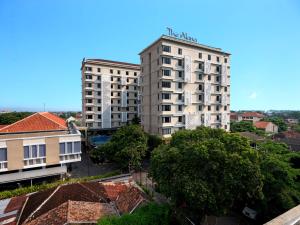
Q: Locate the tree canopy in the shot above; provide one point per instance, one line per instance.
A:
(12, 117)
(282, 126)
(207, 170)
(127, 147)
(242, 126)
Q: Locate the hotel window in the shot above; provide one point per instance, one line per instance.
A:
(179, 119)
(179, 108)
(166, 119)
(208, 77)
(88, 77)
(99, 70)
(111, 86)
(135, 81)
(119, 72)
(135, 94)
(217, 88)
(208, 107)
(225, 60)
(225, 89)
(88, 92)
(200, 76)
(87, 68)
(127, 79)
(99, 93)
(166, 48)
(98, 85)
(167, 72)
(209, 57)
(179, 51)
(166, 131)
(179, 62)
(34, 155)
(99, 101)
(112, 79)
(218, 59)
(98, 78)
(217, 98)
(166, 107)
(200, 66)
(166, 60)
(217, 78)
(225, 108)
(111, 71)
(88, 85)
(89, 100)
(200, 107)
(166, 84)
(200, 55)
(89, 116)
(69, 151)
(218, 69)
(99, 108)
(179, 85)
(180, 74)
(119, 86)
(88, 108)
(200, 97)
(200, 87)
(3, 159)
(217, 108)
(127, 87)
(99, 116)
(127, 72)
(119, 94)
(218, 117)
(135, 73)
(166, 96)
(180, 97)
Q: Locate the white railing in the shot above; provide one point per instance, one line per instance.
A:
(72, 157)
(3, 166)
(34, 162)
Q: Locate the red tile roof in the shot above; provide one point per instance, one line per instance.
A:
(262, 124)
(42, 121)
(253, 114)
(1, 126)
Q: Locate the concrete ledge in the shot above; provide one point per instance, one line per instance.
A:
(291, 217)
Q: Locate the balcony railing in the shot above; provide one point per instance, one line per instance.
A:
(34, 162)
(3, 166)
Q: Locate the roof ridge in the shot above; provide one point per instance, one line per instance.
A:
(18, 121)
(42, 114)
(94, 193)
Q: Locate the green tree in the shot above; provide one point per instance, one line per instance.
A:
(280, 169)
(282, 126)
(208, 170)
(12, 117)
(127, 147)
(136, 120)
(242, 126)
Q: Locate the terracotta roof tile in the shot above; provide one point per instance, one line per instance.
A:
(253, 114)
(261, 124)
(37, 122)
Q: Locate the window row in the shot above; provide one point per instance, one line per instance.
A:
(90, 69)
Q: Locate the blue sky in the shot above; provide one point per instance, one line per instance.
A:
(42, 44)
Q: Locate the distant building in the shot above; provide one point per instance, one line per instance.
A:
(234, 117)
(250, 116)
(292, 121)
(37, 146)
(110, 93)
(291, 138)
(266, 126)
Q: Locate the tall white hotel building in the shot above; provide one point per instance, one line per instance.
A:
(184, 85)
(180, 84)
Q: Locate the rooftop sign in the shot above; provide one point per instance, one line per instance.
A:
(182, 35)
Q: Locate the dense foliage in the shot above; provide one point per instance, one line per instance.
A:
(207, 170)
(281, 172)
(150, 214)
(127, 147)
(242, 126)
(12, 117)
(282, 126)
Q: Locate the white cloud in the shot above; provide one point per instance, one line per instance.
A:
(253, 95)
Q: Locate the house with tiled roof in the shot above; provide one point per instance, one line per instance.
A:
(250, 116)
(39, 145)
(78, 203)
(266, 126)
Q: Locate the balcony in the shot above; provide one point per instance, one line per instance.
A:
(69, 158)
(34, 162)
(3, 166)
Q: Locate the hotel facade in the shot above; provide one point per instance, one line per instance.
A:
(110, 93)
(184, 85)
(39, 145)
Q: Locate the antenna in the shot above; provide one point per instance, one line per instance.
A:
(44, 107)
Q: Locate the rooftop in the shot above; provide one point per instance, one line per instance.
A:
(262, 124)
(253, 114)
(105, 62)
(41, 121)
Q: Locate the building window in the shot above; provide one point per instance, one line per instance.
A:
(111, 79)
(166, 48)
(218, 69)
(200, 55)
(217, 88)
(200, 97)
(180, 119)
(127, 72)
(166, 131)
(218, 117)
(89, 116)
(179, 108)
(87, 68)
(119, 72)
(179, 85)
(69, 151)
(98, 85)
(166, 60)
(166, 96)
(225, 89)
(200, 76)
(200, 87)
(34, 155)
(200, 66)
(167, 72)
(225, 60)
(88, 77)
(217, 78)
(3, 159)
(88, 108)
(179, 51)
(135, 73)
(209, 108)
(180, 97)
(179, 62)
(218, 59)
(111, 71)
(217, 108)
(200, 107)
(217, 98)
(99, 101)
(99, 109)
(225, 108)
(209, 57)
(166, 107)
(99, 70)
(166, 119)
(99, 117)
(166, 84)
(98, 78)
(208, 77)
(180, 74)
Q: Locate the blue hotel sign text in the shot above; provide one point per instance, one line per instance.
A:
(181, 35)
